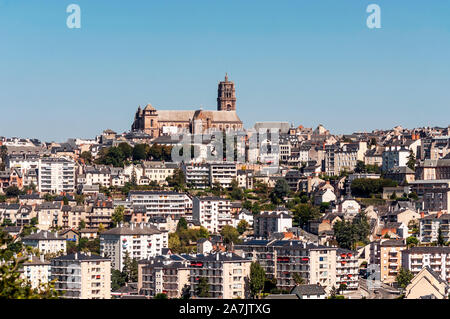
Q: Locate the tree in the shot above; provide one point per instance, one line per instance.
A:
(393, 196)
(230, 235)
(11, 283)
(202, 289)
(303, 213)
(118, 279)
(341, 288)
(242, 226)
(182, 224)
(411, 161)
(118, 215)
(126, 149)
(140, 152)
(87, 157)
(412, 241)
(82, 224)
(404, 277)
(160, 296)
(177, 180)
(174, 242)
(441, 239)
(344, 234)
(280, 191)
(360, 167)
(12, 191)
(257, 279)
(298, 279)
(130, 268)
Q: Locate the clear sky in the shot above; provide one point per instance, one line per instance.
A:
(308, 62)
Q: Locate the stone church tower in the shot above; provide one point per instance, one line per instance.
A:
(226, 97)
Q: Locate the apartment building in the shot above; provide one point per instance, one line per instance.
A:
(387, 254)
(46, 241)
(56, 175)
(23, 162)
(429, 227)
(160, 203)
(269, 222)
(72, 216)
(394, 156)
(36, 271)
(245, 179)
(226, 273)
(437, 258)
(213, 213)
(49, 215)
(82, 276)
(158, 171)
(316, 264)
(98, 175)
(100, 214)
(164, 274)
(347, 269)
(197, 174)
(222, 173)
(435, 194)
(140, 241)
(433, 169)
(343, 157)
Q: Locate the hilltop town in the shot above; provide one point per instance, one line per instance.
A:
(294, 212)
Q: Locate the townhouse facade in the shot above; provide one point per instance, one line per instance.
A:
(269, 222)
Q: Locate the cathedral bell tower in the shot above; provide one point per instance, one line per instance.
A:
(226, 96)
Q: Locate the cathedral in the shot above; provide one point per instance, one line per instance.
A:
(166, 122)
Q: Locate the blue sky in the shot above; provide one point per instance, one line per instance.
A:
(306, 62)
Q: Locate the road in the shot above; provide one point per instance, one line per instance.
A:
(381, 292)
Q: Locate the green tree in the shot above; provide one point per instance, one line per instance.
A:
(160, 296)
(393, 196)
(441, 239)
(360, 167)
(280, 191)
(177, 180)
(202, 289)
(298, 279)
(118, 215)
(118, 279)
(404, 277)
(174, 243)
(304, 213)
(230, 235)
(130, 268)
(86, 156)
(182, 224)
(412, 241)
(242, 226)
(140, 152)
(12, 191)
(257, 279)
(126, 149)
(411, 161)
(82, 224)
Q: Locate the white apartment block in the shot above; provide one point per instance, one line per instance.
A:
(160, 203)
(437, 258)
(226, 273)
(429, 227)
(223, 173)
(36, 271)
(138, 240)
(269, 222)
(56, 175)
(46, 241)
(196, 175)
(394, 156)
(82, 276)
(213, 213)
